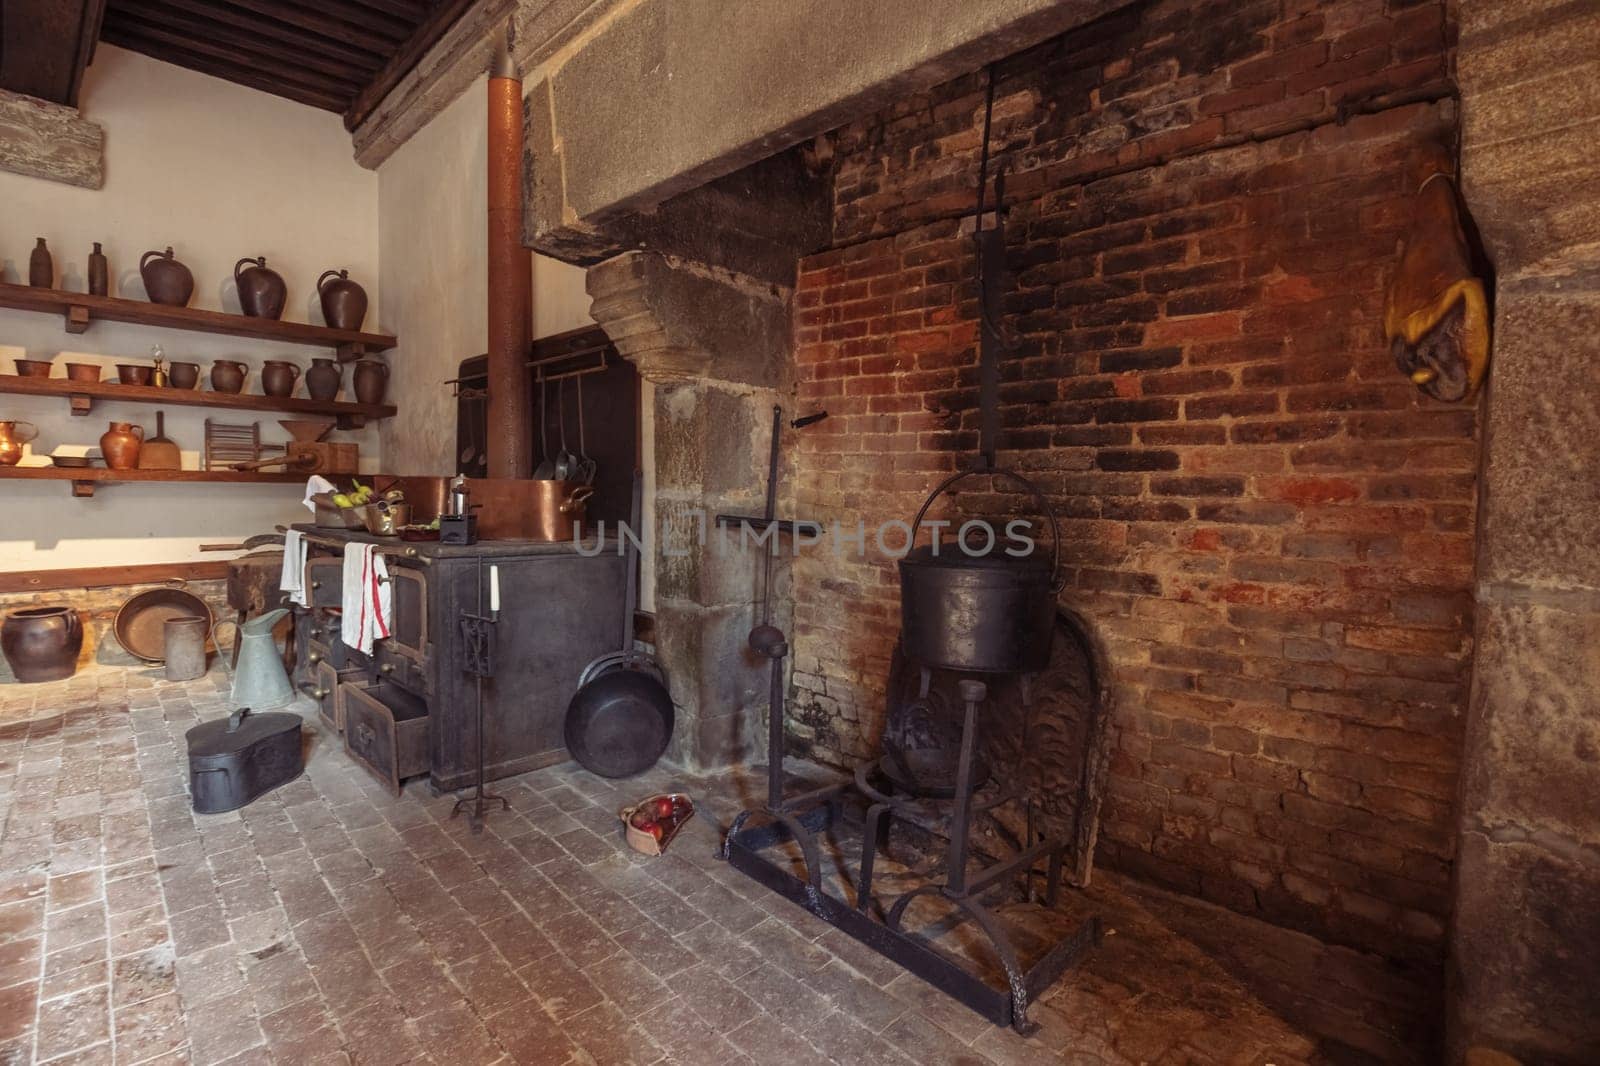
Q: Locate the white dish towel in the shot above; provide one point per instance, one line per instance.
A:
(367, 610)
(293, 578)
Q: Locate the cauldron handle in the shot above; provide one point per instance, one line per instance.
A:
(1038, 498)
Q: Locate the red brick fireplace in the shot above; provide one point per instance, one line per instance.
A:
(1269, 529)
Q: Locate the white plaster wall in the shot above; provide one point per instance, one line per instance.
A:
(433, 226)
(219, 172)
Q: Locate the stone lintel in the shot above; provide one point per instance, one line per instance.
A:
(51, 141)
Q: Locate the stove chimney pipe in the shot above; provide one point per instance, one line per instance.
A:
(510, 278)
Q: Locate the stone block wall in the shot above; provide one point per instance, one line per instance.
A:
(1270, 529)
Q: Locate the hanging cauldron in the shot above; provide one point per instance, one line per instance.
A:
(984, 611)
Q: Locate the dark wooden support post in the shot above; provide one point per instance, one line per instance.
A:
(510, 279)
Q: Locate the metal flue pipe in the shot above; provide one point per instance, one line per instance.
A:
(510, 279)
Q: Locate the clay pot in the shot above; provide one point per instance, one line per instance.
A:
(371, 378)
(89, 372)
(33, 368)
(133, 374)
(323, 379)
(42, 643)
(120, 445)
(344, 302)
(166, 281)
(183, 375)
(278, 377)
(227, 375)
(261, 290)
(99, 272)
(12, 439)
(41, 267)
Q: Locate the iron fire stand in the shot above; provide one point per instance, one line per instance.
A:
(804, 817)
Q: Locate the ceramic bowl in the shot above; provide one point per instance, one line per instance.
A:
(34, 368)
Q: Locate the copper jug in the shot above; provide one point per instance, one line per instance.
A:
(120, 445)
(166, 281)
(344, 302)
(262, 292)
(12, 439)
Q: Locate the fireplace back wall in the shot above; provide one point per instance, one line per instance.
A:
(1268, 528)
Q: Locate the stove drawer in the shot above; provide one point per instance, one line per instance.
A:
(324, 580)
(385, 730)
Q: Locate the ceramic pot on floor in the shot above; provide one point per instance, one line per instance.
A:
(42, 643)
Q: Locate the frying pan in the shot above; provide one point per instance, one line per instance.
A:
(138, 627)
(620, 720)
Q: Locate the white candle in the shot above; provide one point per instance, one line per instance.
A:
(494, 588)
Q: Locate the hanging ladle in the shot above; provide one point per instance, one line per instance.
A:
(586, 466)
(566, 462)
(546, 470)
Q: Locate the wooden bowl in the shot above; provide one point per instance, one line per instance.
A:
(75, 462)
(34, 368)
(306, 430)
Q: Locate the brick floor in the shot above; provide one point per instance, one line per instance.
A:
(332, 922)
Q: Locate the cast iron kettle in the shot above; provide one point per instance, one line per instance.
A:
(981, 611)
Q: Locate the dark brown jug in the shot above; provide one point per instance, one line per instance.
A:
(371, 378)
(323, 379)
(41, 267)
(99, 272)
(42, 643)
(166, 281)
(227, 375)
(278, 377)
(344, 302)
(262, 292)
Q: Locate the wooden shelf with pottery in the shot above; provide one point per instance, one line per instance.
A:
(80, 309)
(82, 394)
(84, 479)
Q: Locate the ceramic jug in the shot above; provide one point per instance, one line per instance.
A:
(41, 267)
(371, 378)
(166, 281)
(323, 379)
(120, 445)
(344, 302)
(278, 377)
(227, 375)
(261, 290)
(12, 438)
(99, 272)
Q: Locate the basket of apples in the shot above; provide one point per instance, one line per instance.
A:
(652, 823)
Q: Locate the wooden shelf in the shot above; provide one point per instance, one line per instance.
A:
(79, 310)
(84, 479)
(82, 394)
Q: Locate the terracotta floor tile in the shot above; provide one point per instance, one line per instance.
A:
(74, 1022)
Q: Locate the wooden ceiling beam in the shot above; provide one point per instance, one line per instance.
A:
(153, 38)
(325, 25)
(439, 20)
(45, 46)
(204, 14)
(159, 23)
(412, 11)
(203, 64)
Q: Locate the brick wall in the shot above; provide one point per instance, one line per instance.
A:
(1271, 531)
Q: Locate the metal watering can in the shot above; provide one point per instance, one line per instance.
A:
(259, 679)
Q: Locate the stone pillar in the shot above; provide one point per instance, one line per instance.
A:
(715, 346)
(1525, 962)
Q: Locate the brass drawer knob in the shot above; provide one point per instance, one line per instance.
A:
(314, 658)
(386, 668)
(316, 584)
